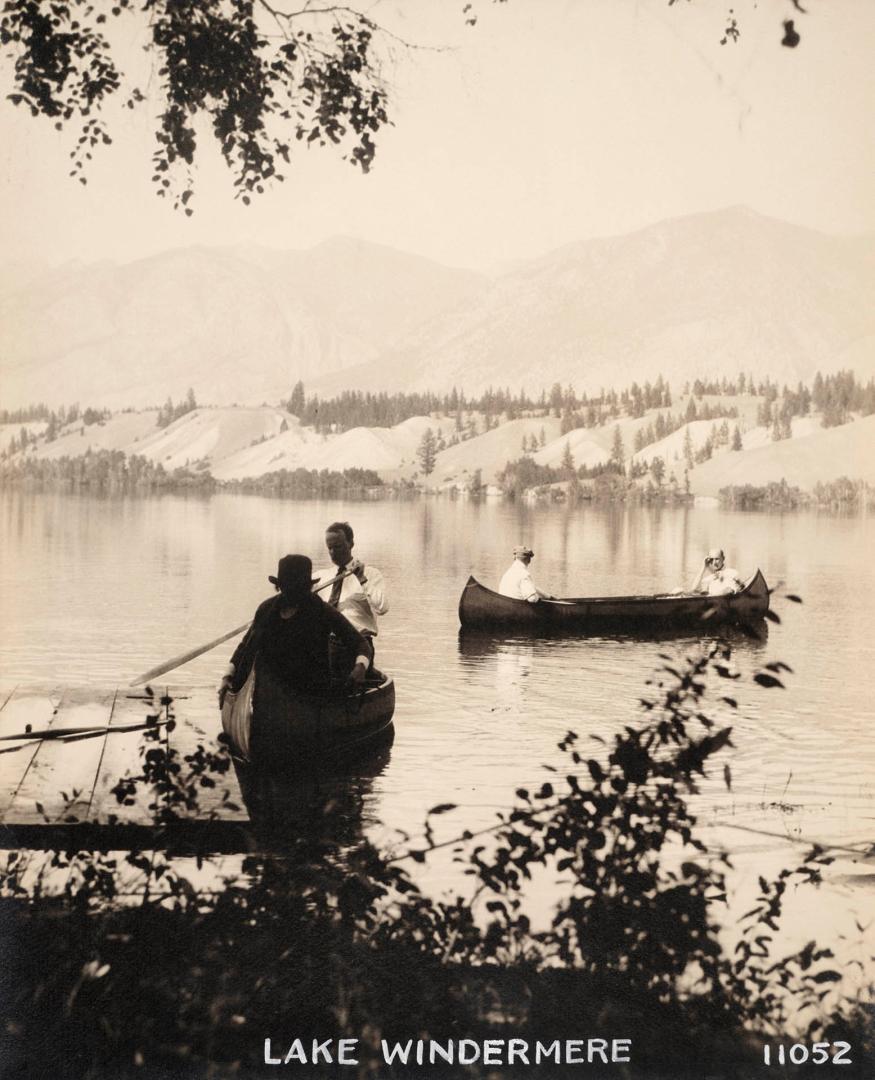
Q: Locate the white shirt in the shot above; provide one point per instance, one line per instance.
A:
(517, 582)
(721, 582)
(358, 603)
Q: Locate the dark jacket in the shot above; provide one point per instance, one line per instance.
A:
(298, 650)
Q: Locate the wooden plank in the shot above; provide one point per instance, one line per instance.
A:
(198, 722)
(38, 771)
(121, 757)
(26, 706)
(62, 773)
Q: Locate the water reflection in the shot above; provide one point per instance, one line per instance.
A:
(543, 685)
(750, 639)
(319, 803)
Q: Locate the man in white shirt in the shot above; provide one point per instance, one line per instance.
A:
(715, 577)
(361, 596)
(517, 581)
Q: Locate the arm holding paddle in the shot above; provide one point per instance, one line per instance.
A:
(373, 586)
(178, 661)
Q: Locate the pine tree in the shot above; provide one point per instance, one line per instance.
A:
(427, 452)
(567, 463)
(688, 448)
(736, 439)
(764, 414)
(296, 401)
(165, 414)
(618, 453)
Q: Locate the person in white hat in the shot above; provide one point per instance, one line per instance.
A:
(517, 581)
(715, 577)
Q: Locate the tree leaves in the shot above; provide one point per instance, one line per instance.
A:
(826, 976)
(791, 36)
(212, 59)
(767, 681)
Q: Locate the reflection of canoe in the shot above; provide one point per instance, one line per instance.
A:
(482, 608)
(269, 725)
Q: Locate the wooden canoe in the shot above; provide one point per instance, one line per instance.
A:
(481, 608)
(271, 727)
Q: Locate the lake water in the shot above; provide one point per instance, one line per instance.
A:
(96, 591)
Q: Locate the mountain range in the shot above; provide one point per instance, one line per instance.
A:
(708, 295)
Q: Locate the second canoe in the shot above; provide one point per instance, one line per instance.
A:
(481, 608)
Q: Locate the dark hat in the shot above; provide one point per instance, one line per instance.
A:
(294, 574)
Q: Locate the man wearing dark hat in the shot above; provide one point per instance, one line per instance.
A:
(517, 581)
(291, 633)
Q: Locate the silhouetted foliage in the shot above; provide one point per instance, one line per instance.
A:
(261, 78)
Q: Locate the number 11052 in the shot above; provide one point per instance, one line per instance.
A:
(820, 1053)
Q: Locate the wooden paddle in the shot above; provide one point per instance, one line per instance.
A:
(178, 661)
(62, 733)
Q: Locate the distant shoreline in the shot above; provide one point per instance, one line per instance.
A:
(843, 494)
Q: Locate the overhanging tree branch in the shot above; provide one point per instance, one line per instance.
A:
(318, 82)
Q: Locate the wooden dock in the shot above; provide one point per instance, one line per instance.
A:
(63, 750)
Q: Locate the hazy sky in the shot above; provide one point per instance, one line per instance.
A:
(550, 121)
